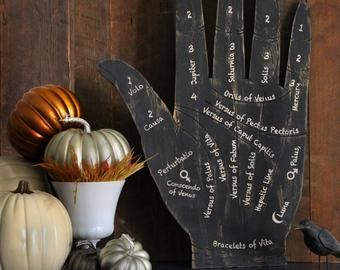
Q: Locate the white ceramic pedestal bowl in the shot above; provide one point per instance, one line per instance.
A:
(91, 206)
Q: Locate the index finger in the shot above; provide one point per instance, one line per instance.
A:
(191, 53)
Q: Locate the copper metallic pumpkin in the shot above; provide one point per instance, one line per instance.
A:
(36, 116)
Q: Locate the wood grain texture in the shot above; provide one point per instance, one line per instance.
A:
(296, 250)
(2, 22)
(33, 51)
(143, 35)
(35, 38)
(230, 205)
(89, 41)
(140, 33)
(325, 116)
(291, 266)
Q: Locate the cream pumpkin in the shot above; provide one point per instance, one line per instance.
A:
(35, 230)
(13, 169)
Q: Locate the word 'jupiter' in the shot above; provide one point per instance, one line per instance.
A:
(194, 75)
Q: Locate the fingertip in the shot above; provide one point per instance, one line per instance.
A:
(189, 16)
(105, 66)
(230, 16)
(114, 70)
(267, 19)
(301, 23)
(304, 4)
(300, 46)
(109, 64)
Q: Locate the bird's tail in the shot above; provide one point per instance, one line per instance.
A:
(336, 254)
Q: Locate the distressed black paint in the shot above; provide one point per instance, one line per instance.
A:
(229, 164)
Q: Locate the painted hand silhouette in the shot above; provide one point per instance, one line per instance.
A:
(229, 162)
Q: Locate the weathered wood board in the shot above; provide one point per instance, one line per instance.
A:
(325, 118)
(44, 42)
(229, 162)
(33, 46)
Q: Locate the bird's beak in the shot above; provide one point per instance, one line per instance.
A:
(300, 227)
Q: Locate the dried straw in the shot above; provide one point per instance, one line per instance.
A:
(101, 172)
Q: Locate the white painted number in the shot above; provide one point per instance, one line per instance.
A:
(266, 56)
(150, 114)
(292, 83)
(267, 19)
(194, 97)
(230, 10)
(189, 15)
(301, 28)
(298, 58)
(191, 48)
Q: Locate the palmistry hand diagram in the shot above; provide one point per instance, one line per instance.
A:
(229, 162)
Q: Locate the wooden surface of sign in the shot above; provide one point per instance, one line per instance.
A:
(229, 162)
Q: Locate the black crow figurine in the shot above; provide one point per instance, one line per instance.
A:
(319, 240)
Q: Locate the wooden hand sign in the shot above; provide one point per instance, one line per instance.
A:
(229, 163)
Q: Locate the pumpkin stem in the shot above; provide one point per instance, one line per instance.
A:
(128, 238)
(23, 188)
(67, 119)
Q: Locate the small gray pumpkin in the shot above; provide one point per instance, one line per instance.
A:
(124, 253)
(85, 257)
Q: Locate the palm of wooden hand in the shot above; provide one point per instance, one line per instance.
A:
(229, 163)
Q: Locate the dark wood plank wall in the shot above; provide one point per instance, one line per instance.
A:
(33, 51)
(61, 41)
(325, 116)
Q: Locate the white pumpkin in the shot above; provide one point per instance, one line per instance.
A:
(35, 230)
(124, 253)
(13, 169)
